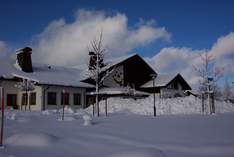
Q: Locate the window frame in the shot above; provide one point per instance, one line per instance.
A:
(54, 101)
(77, 95)
(33, 98)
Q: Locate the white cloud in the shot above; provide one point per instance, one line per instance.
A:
(3, 49)
(63, 43)
(224, 46)
(183, 60)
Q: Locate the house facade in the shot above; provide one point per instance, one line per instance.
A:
(134, 73)
(53, 86)
(167, 86)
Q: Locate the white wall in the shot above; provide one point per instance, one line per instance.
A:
(71, 91)
(110, 82)
(169, 93)
(10, 88)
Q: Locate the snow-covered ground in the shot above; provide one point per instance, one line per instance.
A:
(44, 134)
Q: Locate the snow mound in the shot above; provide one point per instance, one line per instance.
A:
(172, 106)
(69, 114)
(140, 152)
(87, 119)
(67, 118)
(31, 140)
(67, 110)
(46, 112)
(17, 116)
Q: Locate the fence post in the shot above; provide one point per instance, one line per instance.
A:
(2, 117)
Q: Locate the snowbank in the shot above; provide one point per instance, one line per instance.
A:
(31, 139)
(173, 106)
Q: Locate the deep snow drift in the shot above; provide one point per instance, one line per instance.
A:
(173, 106)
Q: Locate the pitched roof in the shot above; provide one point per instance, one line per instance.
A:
(120, 61)
(160, 81)
(43, 74)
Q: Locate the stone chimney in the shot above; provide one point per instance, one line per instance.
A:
(24, 59)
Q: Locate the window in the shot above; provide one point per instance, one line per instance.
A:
(175, 85)
(51, 98)
(24, 99)
(77, 99)
(12, 100)
(65, 98)
(32, 99)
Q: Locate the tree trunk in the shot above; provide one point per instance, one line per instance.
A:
(93, 109)
(203, 103)
(106, 107)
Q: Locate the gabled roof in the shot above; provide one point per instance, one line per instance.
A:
(43, 74)
(160, 81)
(121, 60)
(163, 80)
(111, 63)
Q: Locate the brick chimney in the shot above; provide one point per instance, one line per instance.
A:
(24, 59)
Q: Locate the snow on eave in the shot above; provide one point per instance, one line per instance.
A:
(118, 91)
(24, 77)
(161, 80)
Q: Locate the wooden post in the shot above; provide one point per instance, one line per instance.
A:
(29, 104)
(63, 103)
(2, 118)
(106, 106)
(213, 103)
(93, 109)
(26, 100)
(154, 96)
(203, 103)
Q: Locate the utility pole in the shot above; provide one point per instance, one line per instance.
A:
(153, 78)
(97, 82)
(63, 103)
(2, 117)
(233, 90)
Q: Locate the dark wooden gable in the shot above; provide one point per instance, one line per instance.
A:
(179, 79)
(136, 71)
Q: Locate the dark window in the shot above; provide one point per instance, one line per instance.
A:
(12, 100)
(175, 85)
(51, 98)
(24, 99)
(77, 99)
(32, 99)
(65, 98)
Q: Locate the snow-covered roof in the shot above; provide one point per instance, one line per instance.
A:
(119, 91)
(114, 61)
(160, 81)
(43, 74)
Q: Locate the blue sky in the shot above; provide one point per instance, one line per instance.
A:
(195, 25)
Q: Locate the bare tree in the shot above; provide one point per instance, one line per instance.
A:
(208, 85)
(97, 70)
(26, 85)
